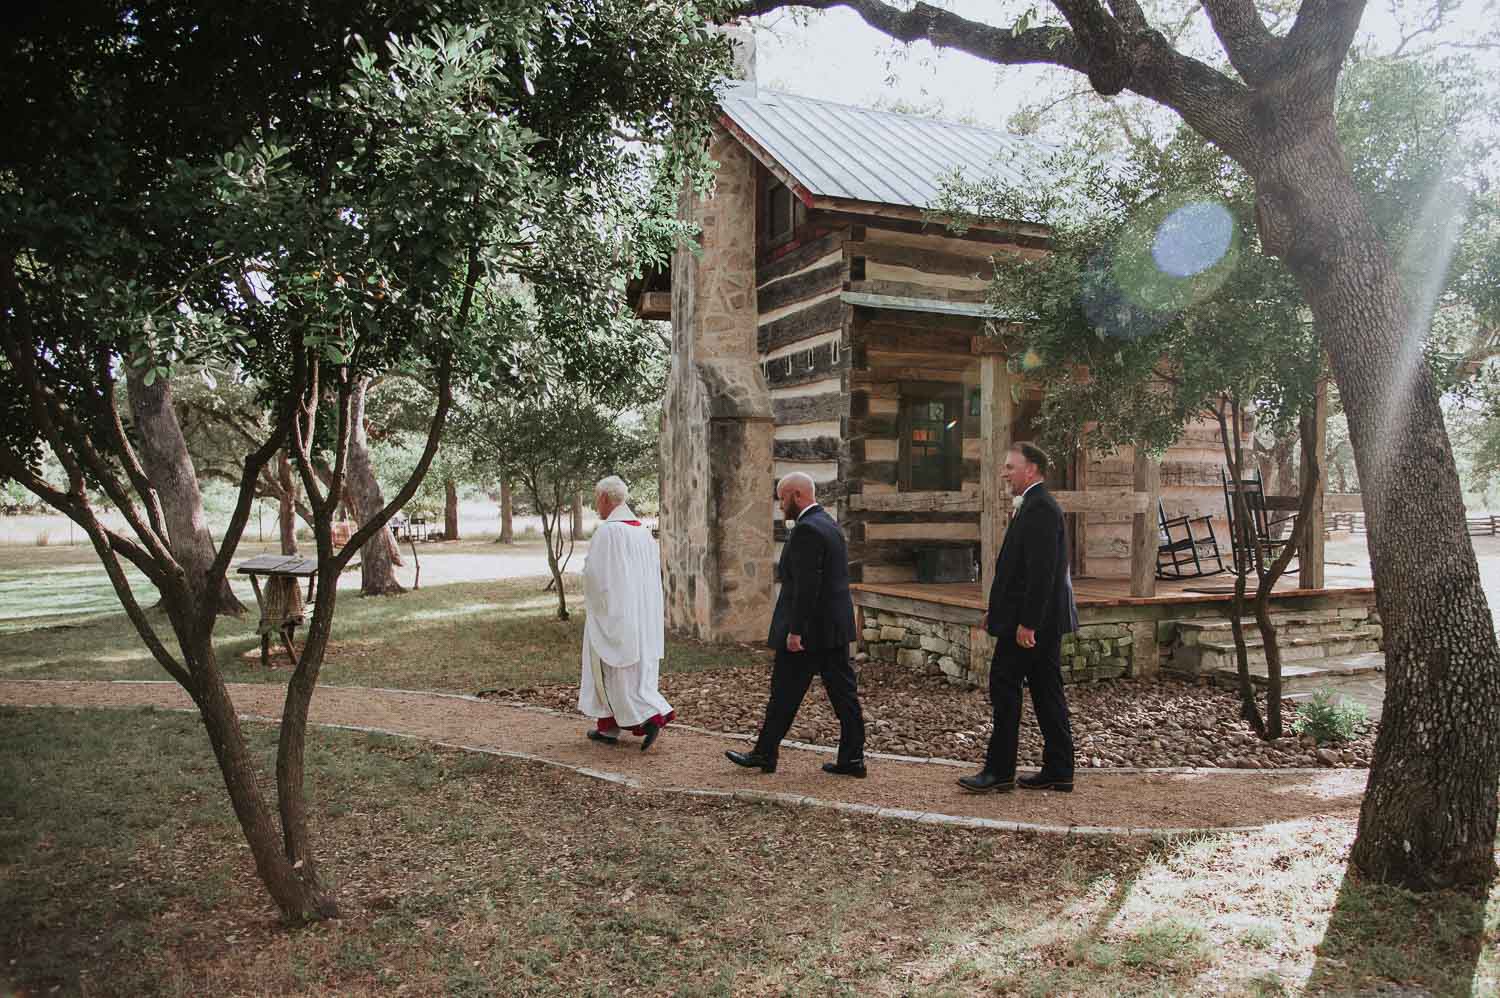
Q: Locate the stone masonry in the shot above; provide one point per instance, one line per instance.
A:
(716, 440)
(962, 653)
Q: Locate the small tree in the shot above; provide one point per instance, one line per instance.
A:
(554, 446)
(307, 217)
(1156, 290)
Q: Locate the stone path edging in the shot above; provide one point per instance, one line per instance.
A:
(807, 800)
(921, 760)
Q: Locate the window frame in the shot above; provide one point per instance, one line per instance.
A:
(953, 398)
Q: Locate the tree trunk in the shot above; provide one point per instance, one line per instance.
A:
(1242, 541)
(165, 459)
(552, 537)
(450, 510)
(577, 515)
(287, 508)
(1429, 813)
(377, 572)
(507, 526)
(293, 886)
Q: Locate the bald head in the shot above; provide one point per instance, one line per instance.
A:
(795, 492)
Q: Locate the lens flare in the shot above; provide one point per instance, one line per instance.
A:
(1176, 253)
(1193, 238)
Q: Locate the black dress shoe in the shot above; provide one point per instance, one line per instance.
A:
(986, 783)
(1062, 784)
(751, 760)
(855, 768)
(652, 730)
(595, 735)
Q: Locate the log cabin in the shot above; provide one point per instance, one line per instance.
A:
(829, 323)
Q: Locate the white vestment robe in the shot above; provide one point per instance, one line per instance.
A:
(624, 627)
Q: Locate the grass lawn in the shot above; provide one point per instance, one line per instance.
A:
(465, 630)
(122, 872)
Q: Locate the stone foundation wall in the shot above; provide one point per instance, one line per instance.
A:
(962, 653)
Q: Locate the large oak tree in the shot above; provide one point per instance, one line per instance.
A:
(1429, 813)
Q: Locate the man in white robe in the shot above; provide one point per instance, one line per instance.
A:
(623, 631)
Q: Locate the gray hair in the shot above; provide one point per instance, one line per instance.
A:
(614, 488)
(800, 480)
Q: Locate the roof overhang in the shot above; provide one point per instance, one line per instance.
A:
(935, 306)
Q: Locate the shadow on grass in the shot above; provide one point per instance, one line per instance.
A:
(1383, 940)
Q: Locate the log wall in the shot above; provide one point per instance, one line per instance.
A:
(1190, 484)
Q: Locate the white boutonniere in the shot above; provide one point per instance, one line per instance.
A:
(1015, 502)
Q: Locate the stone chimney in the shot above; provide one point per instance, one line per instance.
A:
(716, 531)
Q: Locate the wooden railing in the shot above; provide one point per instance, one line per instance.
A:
(1141, 504)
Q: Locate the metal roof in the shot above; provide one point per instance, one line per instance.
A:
(859, 154)
(973, 309)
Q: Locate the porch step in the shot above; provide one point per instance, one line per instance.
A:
(1211, 656)
(1288, 624)
(1300, 679)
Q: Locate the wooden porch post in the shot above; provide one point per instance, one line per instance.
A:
(995, 418)
(1311, 557)
(1143, 528)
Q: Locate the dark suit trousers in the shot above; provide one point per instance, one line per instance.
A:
(1041, 669)
(790, 678)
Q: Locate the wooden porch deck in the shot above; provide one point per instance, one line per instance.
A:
(1104, 592)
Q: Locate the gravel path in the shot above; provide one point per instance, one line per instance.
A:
(1120, 723)
(690, 760)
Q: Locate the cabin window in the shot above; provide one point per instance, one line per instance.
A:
(780, 215)
(932, 439)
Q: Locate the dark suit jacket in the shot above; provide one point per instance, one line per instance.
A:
(1033, 583)
(814, 572)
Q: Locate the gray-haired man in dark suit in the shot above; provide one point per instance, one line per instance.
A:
(1031, 608)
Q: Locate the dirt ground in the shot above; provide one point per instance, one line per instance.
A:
(684, 759)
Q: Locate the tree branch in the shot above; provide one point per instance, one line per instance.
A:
(1246, 39)
(107, 544)
(128, 456)
(1213, 104)
(254, 462)
(945, 29)
(1313, 51)
(434, 436)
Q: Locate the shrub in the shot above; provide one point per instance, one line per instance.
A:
(1328, 718)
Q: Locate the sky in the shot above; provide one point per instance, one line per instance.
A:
(836, 56)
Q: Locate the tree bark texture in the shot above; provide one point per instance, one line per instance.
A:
(294, 886)
(450, 510)
(577, 526)
(164, 457)
(507, 524)
(1429, 813)
(377, 571)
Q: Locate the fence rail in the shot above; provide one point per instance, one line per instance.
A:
(1478, 526)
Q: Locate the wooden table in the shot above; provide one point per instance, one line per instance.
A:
(281, 601)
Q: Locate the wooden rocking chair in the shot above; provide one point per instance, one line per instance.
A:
(1185, 550)
(1266, 528)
